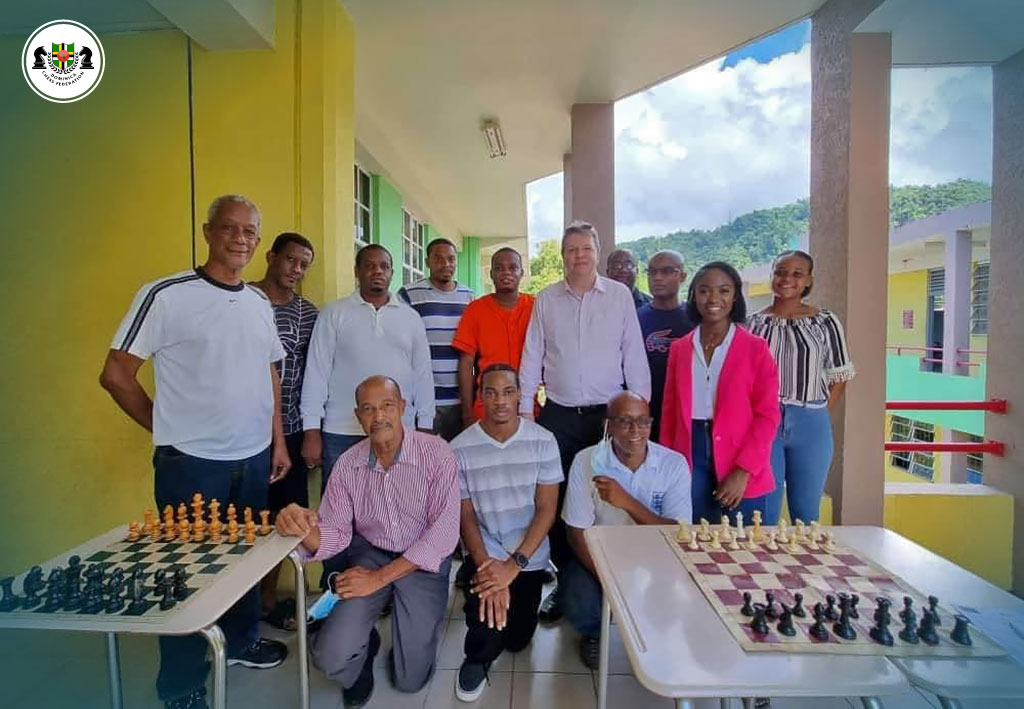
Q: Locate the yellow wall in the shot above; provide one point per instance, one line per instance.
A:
(907, 291)
(96, 201)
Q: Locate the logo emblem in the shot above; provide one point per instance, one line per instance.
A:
(63, 61)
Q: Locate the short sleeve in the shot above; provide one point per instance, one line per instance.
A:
(838, 365)
(467, 337)
(550, 472)
(578, 509)
(277, 352)
(141, 331)
(677, 503)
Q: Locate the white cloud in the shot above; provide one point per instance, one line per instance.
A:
(717, 142)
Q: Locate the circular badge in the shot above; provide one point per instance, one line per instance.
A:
(63, 61)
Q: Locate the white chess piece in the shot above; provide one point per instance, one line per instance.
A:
(772, 546)
(693, 545)
(782, 528)
(733, 543)
(830, 541)
(683, 533)
(741, 533)
(800, 533)
(716, 542)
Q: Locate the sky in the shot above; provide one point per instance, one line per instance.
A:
(733, 135)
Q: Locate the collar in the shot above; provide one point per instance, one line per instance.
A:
(599, 285)
(405, 454)
(392, 303)
(217, 284)
(726, 341)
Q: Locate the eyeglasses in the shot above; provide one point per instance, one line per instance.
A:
(627, 422)
(666, 271)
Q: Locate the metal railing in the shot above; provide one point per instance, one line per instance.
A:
(995, 406)
(900, 349)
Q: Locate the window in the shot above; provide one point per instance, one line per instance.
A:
(975, 461)
(919, 464)
(979, 299)
(363, 224)
(937, 287)
(414, 239)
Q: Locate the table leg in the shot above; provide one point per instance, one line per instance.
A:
(300, 627)
(602, 666)
(723, 703)
(949, 703)
(114, 671)
(749, 702)
(218, 645)
(684, 703)
(871, 702)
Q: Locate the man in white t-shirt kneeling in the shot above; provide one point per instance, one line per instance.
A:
(624, 479)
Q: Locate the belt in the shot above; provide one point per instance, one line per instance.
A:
(581, 410)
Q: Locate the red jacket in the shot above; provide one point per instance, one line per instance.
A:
(746, 415)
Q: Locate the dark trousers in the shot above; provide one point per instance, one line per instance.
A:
(581, 597)
(574, 428)
(339, 648)
(294, 487)
(705, 482)
(448, 421)
(177, 476)
(483, 644)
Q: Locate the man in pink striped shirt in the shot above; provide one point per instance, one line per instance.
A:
(392, 504)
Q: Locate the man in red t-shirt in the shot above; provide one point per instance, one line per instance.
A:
(492, 330)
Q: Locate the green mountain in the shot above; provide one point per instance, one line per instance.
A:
(756, 237)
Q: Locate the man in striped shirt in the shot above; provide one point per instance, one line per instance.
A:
(393, 504)
(440, 301)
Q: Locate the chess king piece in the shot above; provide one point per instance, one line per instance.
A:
(842, 627)
(960, 634)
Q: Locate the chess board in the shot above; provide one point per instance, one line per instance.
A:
(724, 575)
(202, 561)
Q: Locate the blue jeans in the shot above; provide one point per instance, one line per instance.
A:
(705, 482)
(177, 476)
(801, 456)
(334, 445)
(580, 594)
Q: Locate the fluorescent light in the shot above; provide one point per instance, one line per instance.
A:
(495, 140)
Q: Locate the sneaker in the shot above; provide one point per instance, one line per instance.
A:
(261, 655)
(195, 700)
(469, 684)
(550, 610)
(359, 693)
(590, 651)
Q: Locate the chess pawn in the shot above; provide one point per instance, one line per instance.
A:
(215, 529)
(170, 529)
(154, 530)
(726, 529)
(734, 545)
(133, 531)
(199, 530)
(250, 531)
(693, 546)
(264, 522)
(801, 533)
(716, 542)
(771, 545)
(682, 532)
(232, 530)
(793, 547)
(783, 528)
(751, 544)
(182, 512)
(184, 531)
(830, 541)
(705, 531)
(815, 531)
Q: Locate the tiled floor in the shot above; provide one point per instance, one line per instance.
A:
(69, 670)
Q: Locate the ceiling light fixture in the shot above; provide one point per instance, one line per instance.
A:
(495, 140)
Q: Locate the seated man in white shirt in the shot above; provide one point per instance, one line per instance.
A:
(624, 479)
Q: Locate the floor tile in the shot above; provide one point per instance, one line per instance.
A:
(541, 690)
(453, 649)
(554, 649)
(626, 691)
(810, 703)
(497, 694)
(618, 660)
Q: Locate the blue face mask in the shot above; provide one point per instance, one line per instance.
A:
(323, 606)
(601, 458)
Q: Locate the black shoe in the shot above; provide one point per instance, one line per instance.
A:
(470, 682)
(195, 700)
(261, 654)
(464, 575)
(550, 610)
(590, 651)
(359, 693)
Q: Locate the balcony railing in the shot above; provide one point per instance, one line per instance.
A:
(900, 349)
(995, 406)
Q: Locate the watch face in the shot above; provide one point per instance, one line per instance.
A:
(520, 559)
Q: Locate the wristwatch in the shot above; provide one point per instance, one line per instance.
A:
(521, 559)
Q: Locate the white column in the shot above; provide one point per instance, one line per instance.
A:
(591, 191)
(956, 324)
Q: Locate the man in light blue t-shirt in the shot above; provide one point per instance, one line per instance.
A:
(624, 479)
(509, 472)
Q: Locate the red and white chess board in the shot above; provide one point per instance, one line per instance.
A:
(724, 575)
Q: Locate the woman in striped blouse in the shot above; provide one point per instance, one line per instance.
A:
(814, 364)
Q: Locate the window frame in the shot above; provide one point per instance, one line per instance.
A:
(361, 208)
(414, 244)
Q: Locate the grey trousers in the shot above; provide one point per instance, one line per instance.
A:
(420, 599)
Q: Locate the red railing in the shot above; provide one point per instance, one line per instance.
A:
(995, 406)
(935, 360)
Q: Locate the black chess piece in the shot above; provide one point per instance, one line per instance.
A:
(854, 600)
(73, 584)
(926, 631)
(818, 630)
(770, 611)
(92, 599)
(166, 591)
(830, 610)
(86, 55)
(785, 624)
(32, 586)
(880, 631)
(909, 632)
(8, 600)
(748, 607)
(39, 53)
(933, 606)
(759, 625)
(137, 593)
(54, 590)
(798, 607)
(842, 627)
(960, 634)
(908, 610)
(179, 584)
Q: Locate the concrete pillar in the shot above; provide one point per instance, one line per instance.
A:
(567, 187)
(849, 235)
(1005, 302)
(956, 325)
(591, 188)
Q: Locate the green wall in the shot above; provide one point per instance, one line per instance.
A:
(469, 263)
(387, 223)
(905, 381)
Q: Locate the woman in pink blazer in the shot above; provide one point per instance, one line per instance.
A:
(721, 401)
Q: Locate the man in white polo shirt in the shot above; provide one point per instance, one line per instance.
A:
(624, 479)
(368, 333)
(215, 420)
